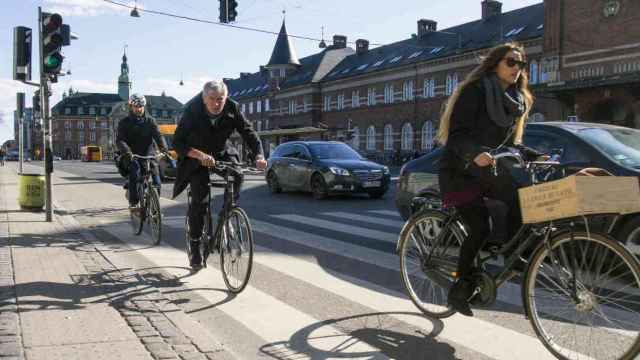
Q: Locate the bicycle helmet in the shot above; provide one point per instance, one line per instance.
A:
(137, 100)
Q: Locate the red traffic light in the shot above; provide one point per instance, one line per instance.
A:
(51, 22)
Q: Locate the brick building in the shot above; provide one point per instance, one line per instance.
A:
(81, 119)
(388, 99)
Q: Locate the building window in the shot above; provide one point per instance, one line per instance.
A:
(355, 99)
(92, 137)
(80, 125)
(306, 103)
(407, 90)
(340, 104)
(92, 124)
(105, 125)
(388, 137)
(454, 82)
(267, 107)
(165, 113)
(80, 110)
(533, 72)
(251, 107)
(103, 111)
(283, 72)
(429, 88)
(371, 96)
(92, 111)
(67, 124)
(427, 135)
(355, 140)
(388, 93)
(371, 138)
(407, 137)
(259, 106)
(67, 111)
(243, 108)
(81, 137)
(259, 125)
(67, 135)
(292, 107)
(327, 103)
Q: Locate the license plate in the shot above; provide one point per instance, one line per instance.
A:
(371, 184)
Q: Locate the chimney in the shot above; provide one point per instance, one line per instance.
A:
(244, 75)
(362, 46)
(490, 8)
(425, 27)
(339, 41)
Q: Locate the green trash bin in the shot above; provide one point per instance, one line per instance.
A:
(31, 195)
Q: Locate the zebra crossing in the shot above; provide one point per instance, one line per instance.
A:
(308, 271)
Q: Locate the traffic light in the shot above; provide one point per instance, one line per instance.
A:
(231, 11)
(224, 17)
(52, 41)
(36, 102)
(22, 39)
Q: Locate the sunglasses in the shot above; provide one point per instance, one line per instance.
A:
(511, 62)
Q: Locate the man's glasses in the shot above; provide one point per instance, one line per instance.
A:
(511, 62)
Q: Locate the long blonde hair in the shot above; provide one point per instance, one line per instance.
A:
(488, 65)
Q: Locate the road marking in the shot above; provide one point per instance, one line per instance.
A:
(366, 219)
(336, 226)
(391, 213)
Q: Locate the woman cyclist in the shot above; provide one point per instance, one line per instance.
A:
(487, 110)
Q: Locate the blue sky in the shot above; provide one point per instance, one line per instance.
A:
(162, 49)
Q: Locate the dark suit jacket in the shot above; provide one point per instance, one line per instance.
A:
(471, 132)
(199, 131)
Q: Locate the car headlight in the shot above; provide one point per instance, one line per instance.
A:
(385, 169)
(339, 171)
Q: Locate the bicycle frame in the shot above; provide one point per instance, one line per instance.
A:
(227, 183)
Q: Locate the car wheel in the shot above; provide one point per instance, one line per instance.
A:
(376, 194)
(318, 187)
(630, 232)
(272, 181)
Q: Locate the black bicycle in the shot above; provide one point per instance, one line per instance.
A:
(149, 201)
(580, 290)
(233, 235)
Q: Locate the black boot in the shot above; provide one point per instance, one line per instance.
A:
(459, 295)
(196, 258)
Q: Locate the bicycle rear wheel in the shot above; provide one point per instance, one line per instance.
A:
(137, 218)
(236, 250)
(582, 296)
(155, 215)
(429, 253)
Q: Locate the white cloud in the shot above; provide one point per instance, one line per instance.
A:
(192, 86)
(8, 90)
(82, 7)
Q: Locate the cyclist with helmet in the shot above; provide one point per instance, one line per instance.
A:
(136, 134)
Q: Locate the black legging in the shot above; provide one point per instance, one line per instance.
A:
(476, 216)
(199, 183)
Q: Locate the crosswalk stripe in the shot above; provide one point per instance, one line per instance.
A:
(390, 213)
(366, 219)
(253, 308)
(340, 227)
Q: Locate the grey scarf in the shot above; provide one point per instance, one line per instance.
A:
(503, 106)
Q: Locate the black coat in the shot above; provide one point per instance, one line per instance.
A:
(199, 131)
(137, 135)
(471, 132)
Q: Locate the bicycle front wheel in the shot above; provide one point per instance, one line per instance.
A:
(155, 215)
(429, 252)
(582, 296)
(236, 250)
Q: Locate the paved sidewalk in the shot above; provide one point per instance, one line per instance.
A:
(62, 298)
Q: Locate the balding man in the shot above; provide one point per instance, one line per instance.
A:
(202, 137)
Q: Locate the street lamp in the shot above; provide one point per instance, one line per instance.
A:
(134, 11)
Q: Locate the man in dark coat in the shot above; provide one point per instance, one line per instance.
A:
(136, 134)
(201, 138)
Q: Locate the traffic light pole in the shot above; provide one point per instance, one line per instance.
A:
(47, 156)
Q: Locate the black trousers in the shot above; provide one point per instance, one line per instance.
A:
(199, 184)
(476, 217)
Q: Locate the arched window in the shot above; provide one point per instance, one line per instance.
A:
(407, 137)
(533, 72)
(388, 137)
(355, 140)
(427, 135)
(371, 138)
(454, 83)
(448, 85)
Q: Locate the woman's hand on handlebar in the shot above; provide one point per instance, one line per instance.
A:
(484, 159)
(207, 160)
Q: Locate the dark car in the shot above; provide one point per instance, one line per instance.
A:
(614, 148)
(324, 168)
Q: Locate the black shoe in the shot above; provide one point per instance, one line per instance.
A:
(196, 259)
(459, 295)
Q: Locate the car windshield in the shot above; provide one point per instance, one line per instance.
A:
(334, 151)
(621, 144)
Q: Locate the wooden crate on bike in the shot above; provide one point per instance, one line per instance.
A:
(579, 195)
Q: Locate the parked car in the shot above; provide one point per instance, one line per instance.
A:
(324, 168)
(614, 148)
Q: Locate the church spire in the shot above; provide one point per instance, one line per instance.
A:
(124, 85)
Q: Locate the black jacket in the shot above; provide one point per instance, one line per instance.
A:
(137, 135)
(471, 132)
(199, 131)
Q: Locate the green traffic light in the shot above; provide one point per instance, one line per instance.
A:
(53, 62)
